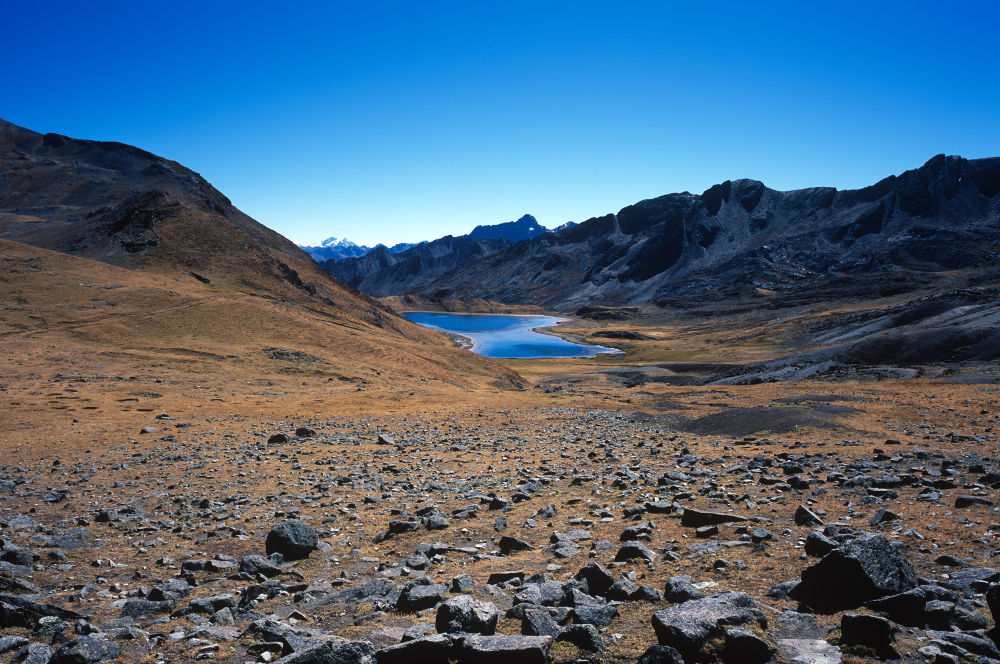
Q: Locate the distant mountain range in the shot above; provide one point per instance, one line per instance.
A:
(336, 249)
(737, 237)
(339, 248)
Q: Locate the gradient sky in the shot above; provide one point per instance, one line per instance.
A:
(390, 122)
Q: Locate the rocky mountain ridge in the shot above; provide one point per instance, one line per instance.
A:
(334, 250)
(735, 238)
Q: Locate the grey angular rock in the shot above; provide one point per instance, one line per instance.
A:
(993, 601)
(680, 589)
(20, 611)
(598, 579)
(11, 642)
(661, 655)
(258, 564)
(632, 550)
(538, 622)
(910, 607)
(503, 649)
(818, 544)
(89, 649)
(875, 632)
(693, 518)
(144, 608)
(806, 517)
(583, 636)
(432, 649)
(333, 652)
(741, 646)
(293, 539)
(421, 597)
(509, 545)
(865, 568)
(599, 615)
(688, 627)
(34, 653)
(464, 614)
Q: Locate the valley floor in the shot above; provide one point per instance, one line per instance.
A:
(141, 489)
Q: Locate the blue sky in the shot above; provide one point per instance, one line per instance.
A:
(390, 122)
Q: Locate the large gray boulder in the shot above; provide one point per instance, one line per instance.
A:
(292, 539)
(864, 568)
(689, 627)
(90, 649)
(432, 649)
(464, 614)
(333, 652)
(503, 649)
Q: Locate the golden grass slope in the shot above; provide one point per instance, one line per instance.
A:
(55, 304)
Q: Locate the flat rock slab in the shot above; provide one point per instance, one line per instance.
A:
(698, 518)
(808, 651)
(502, 649)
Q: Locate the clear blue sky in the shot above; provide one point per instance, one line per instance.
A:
(389, 122)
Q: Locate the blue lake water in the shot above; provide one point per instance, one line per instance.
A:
(506, 336)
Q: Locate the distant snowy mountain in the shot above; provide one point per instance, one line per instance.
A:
(336, 248)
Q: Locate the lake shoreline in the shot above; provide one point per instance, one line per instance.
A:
(495, 337)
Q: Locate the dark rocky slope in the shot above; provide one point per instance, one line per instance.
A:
(122, 205)
(382, 273)
(733, 238)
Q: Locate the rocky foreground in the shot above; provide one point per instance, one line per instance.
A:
(504, 535)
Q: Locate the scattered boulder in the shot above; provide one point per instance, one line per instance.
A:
(293, 539)
(661, 655)
(509, 545)
(419, 597)
(503, 649)
(583, 636)
(433, 649)
(693, 518)
(692, 626)
(874, 632)
(865, 568)
(463, 614)
(89, 649)
(806, 517)
(333, 652)
(598, 579)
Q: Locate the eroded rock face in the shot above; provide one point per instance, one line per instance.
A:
(865, 568)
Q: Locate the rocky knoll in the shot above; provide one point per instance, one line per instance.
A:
(733, 238)
(121, 205)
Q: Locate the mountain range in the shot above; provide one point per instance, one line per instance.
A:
(738, 237)
(335, 249)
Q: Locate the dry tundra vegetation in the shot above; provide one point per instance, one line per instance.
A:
(211, 450)
(195, 472)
